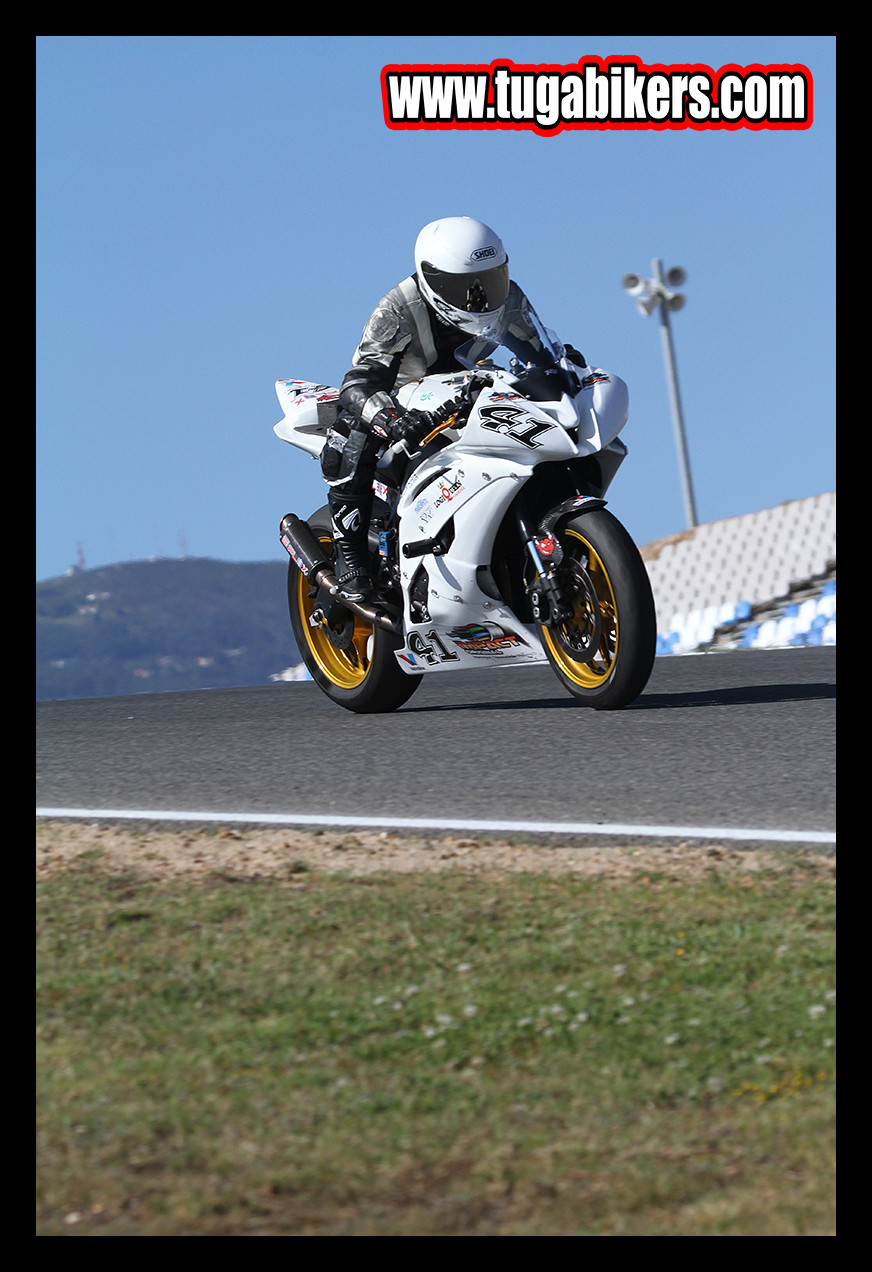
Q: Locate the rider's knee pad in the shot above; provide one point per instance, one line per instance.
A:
(331, 460)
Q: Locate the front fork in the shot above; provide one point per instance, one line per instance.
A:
(547, 599)
(547, 593)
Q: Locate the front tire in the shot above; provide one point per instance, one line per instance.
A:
(604, 653)
(353, 662)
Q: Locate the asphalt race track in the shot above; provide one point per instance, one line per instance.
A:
(740, 741)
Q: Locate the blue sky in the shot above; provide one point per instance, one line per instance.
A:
(215, 213)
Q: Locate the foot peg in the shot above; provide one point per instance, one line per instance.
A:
(355, 585)
(312, 561)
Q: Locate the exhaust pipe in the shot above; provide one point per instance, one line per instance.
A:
(312, 561)
(303, 548)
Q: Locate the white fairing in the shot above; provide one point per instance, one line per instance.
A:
(470, 483)
(309, 410)
(603, 407)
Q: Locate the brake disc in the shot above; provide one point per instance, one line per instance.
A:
(340, 636)
(580, 637)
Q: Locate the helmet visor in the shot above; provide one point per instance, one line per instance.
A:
(480, 293)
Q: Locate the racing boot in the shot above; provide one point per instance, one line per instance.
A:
(350, 515)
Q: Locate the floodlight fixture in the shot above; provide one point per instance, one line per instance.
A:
(649, 294)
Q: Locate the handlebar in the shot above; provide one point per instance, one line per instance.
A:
(445, 416)
(442, 418)
(401, 447)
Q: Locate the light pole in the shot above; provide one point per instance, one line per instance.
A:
(650, 293)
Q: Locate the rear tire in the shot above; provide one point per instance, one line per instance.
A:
(604, 654)
(353, 663)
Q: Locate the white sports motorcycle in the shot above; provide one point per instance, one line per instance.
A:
(491, 544)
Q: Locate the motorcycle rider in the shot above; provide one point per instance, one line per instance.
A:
(460, 287)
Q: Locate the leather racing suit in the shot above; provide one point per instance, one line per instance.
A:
(404, 339)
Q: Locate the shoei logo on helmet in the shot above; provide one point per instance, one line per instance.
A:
(483, 253)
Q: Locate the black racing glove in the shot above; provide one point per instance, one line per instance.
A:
(403, 426)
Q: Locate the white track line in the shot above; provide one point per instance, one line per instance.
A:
(446, 824)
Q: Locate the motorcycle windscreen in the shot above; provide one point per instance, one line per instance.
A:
(517, 333)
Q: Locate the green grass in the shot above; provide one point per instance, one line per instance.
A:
(442, 1054)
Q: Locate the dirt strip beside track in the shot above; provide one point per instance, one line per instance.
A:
(249, 854)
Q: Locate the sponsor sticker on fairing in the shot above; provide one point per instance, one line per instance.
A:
(476, 638)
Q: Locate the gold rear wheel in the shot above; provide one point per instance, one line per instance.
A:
(342, 652)
(351, 660)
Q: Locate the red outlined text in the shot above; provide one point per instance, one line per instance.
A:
(596, 93)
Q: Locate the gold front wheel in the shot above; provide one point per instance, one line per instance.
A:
(604, 652)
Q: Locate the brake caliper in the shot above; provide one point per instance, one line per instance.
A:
(548, 603)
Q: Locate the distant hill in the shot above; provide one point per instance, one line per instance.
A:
(153, 626)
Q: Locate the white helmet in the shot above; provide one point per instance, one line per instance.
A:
(463, 271)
